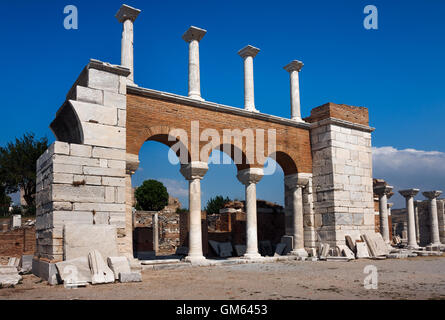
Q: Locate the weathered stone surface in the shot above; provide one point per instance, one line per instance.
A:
(362, 250)
(225, 249)
(9, 276)
(74, 272)
(100, 273)
(80, 239)
(215, 246)
(118, 265)
(240, 249)
(350, 243)
(346, 252)
(26, 263)
(130, 277)
(279, 250)
(14, 262)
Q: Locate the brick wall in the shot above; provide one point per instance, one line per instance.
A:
(15, 243)
(152, 119)
(352, 114)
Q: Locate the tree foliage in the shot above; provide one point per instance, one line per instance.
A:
(215, 204)
(5, 202)
(18, 166)
(152, 195)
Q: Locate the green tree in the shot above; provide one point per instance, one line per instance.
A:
(18, 166)
(5, 202)
(151, 196)
(215, 204)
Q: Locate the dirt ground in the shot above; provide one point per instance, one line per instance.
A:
(413, 278)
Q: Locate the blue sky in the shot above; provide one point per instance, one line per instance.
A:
(395, 71)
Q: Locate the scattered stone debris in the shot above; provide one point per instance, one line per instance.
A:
(118, 265)
(100, 272)
(9, 276)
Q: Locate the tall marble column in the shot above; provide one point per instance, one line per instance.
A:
(294, 68)
(296, 185)
(193, 35)
(409, 195)
(155, 228)
(127, 15)
(382, 191)
(194, 172)
(434, 220)
(248, 53)
(250, 177)
(416, 219)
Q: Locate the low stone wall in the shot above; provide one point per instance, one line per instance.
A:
(15, 243)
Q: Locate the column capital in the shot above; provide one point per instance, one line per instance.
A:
(250, 175)
(193, 33)
(432, 194)
(248, 51)
(194, 170)
(390, 205)
(409, 193)
(127, 13)
(294, 65)
(294, 180)
(383, 190)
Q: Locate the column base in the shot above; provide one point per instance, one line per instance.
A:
(251, 256)
(196, 97)
(299, 253)
(196, 260)
(412, 247)
(298, 119)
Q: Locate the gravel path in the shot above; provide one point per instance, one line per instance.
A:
(413, 278)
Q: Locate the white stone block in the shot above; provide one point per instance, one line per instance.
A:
(115, 100)
(110, 193)
(62, 178)
(118, 265)
(89, 112)
(97, 171)
(99, 207)
(130, 277)
(100, 272)
(67, 168)
(116, 182)
(85, 193)
(61, 147)
(90, 180)
(104, 136)
(89, 95)
(117, 164)
(80, 150)
(79, 161)
(122, 85)
(121, 118)
(80, 239)
(102, 80)
(109, 153)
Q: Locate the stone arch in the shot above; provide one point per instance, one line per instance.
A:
(286, 162)
(163, 135)
(67, 127)
(234, 151)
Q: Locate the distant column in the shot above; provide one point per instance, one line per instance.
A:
(193, 35)
(155, 225)
(296, 185)
(382, 191)
(434, 221)
(194, 172)
(250, 177)
(294, 68)
(248, 53)
(409, 195)
(127, 15)
(416, 219)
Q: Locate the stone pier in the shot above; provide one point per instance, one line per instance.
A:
(434, 220)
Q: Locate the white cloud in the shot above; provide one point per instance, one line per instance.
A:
(175, 188)
(409, 168)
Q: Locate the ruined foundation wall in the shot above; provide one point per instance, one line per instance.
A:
(81, 178)
(342, 173)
